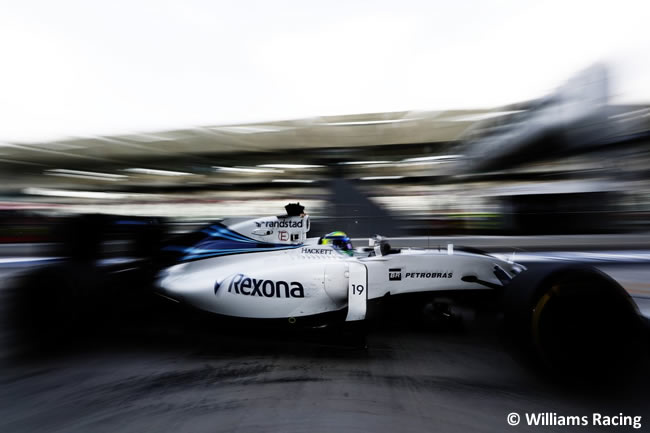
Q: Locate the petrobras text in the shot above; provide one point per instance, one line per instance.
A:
(438, 274)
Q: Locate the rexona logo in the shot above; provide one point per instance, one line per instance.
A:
(243, 285)
(395, 274)
(448, 274)
(281, 224)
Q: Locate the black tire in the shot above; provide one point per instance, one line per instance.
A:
(57, 305)
(575, 322)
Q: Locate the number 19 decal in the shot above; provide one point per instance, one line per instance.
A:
(357, 292)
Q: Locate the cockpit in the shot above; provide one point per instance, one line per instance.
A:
(339, 240)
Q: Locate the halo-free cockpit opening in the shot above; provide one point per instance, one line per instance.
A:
(339, 240)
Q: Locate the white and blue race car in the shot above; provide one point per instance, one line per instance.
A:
(267, 271)
(267, 268)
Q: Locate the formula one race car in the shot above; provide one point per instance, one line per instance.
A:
(267, 268)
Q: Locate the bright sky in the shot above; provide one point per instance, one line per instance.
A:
(89, 67)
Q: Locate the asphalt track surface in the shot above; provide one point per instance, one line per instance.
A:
(459, 379)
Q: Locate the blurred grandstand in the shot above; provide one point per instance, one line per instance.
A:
(567, 163)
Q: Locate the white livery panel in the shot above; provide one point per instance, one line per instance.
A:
(311, 279)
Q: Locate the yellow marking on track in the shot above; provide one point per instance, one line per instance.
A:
(537, 312)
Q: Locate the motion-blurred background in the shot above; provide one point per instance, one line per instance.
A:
(504, 125)
(424, 119)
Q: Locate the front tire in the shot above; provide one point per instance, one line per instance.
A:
(575, 321)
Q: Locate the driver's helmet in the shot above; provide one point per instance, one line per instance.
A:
(338, 240)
